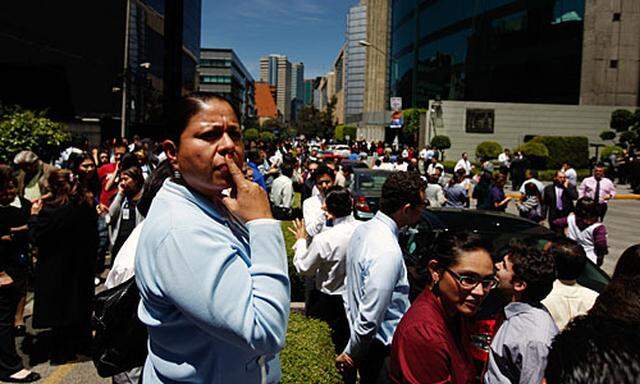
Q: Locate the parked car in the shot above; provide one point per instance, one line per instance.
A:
(366, 191)
(341, 150)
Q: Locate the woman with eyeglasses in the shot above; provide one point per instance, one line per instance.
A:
(431, 343)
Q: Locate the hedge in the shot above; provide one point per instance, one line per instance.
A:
(267, 136)
(297, 284)
(251, 134)
(342, 131)
(537, 153)
(441, 142)
(488, 150)
(574, 149)
(608, 150)
(308, 355)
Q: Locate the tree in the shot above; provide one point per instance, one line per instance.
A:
(442, 143)
(312, 122)
(23, 129)
(251, 134)
(488, 150)
(621, 120)
(411, 127)
(607, 135)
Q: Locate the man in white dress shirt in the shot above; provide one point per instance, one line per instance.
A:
(377, 289)
(464, 163)
(315, 217)
(324, 259)
(282, 193)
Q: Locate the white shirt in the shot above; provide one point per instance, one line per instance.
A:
(431, 169)
(567, 301)
(326, 255)
(401, 167)
(572, 176)
(387, 166)
(313, 214)
(464, 164)
(282, 192)
(584, 237)
(504, 159)
(124, 266)
(536, 182)
(434, 195)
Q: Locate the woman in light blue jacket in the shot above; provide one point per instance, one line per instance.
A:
(211, 263)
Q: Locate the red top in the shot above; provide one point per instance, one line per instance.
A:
(106, 196)
(425, 350)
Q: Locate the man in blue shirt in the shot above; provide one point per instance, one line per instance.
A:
(377, 291)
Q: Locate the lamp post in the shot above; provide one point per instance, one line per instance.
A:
(365, 43)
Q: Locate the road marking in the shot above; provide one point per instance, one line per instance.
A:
(58, 374)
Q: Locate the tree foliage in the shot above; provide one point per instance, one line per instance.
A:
(342, 131)
(536, 152)
(607, 135)
(312, 122)
(267, 136)
(621, 120)
(441, 142)
(251, 134)
(23, 129)
(488, 150)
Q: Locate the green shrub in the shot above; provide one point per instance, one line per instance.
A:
(308, 355)
(608, 150)
(628, 136)
(267, 136)
(449, 165)
(621, 120)
(536, 153)
(441, 142)
(574, 149)
(607, 135)
(342, 131)
(488, 150)
(297, 284)
(251, 134)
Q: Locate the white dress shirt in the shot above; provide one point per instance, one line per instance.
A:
(572, 176)
(567, 301)
(464, 164)
(326, 255)
(282, 192)
(536, 182)
(313, 214)
(377, 288)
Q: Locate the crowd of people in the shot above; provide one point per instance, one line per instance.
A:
(193, 218)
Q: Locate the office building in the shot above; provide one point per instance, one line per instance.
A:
(339, 71)
(355, 63)
(297, 89)
(220, 71)
(308, 91)
(276, 70)
(266, 107)
(553, 52)
(75, 59)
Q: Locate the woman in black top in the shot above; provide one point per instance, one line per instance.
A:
(64, 228)
(14, 243)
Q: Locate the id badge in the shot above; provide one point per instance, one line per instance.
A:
(125, 214)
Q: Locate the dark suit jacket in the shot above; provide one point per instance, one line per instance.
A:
(549, 199)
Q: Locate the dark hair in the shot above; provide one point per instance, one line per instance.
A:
(286, 169)
(451, 245)
(189, 106)
(338, 201)
(535, 268)
(136, 174)
(620, 300)
(64, 189)
(128, 160)
(153, 184)
(594, 350)
(599, 165)
(586, 208)
(378, 162)
(531, 189)
(7, 176)
(323, 170)
(93, 184)
(399, 189)
(347, 168)
(629, 263)
(570, 258)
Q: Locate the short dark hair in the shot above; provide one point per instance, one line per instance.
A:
(253, 156)
(338, 201)
(323, 170)
(7, 176)
(629, 263)
(135, 173)
(535, 268)
(620, 300)
(450, 246)
(153, 184)
(600, 165)
(594, 350)
(570, 258)
(286, 169)
(399, 189)
(586, 208)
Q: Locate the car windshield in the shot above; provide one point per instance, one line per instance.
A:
(371, 183)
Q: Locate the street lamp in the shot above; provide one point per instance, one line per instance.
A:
(394, 61)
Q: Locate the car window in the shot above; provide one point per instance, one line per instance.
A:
(371, 184)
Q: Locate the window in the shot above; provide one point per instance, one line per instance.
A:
(215, 79)
(480, 120)
(214, 63)
(616, 16)
(613, 64)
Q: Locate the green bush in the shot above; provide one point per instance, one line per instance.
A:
(608, 150)
(23, 129)
(267, 136)
(536, 153)
(488, 150)
(342, 131)
(297, 284)
(621, 120)
(628, 136)
(607, 135)
(308, 355)
(574, 149)
(251, 134)
(441, 142)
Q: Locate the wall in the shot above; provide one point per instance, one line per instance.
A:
(514, 121)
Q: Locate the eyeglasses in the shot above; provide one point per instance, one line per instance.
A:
(470, 282)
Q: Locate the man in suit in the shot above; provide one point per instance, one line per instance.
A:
(558, 198)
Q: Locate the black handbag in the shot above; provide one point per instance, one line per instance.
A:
(120, 339)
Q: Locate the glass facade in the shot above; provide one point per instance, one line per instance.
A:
(356, 57)
(486, 50)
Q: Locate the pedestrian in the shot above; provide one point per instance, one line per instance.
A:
(377, 288)
(124, 215)
(558, 199)
(583, 226)
(64, 228)
(531, 205)
(32, 175)
(629, 263)
(481, 191)
(325, 260)
(253, 160)
(531, 176)
(518, 168)
(463, 163)
(433, 165)
(315, 218)
(568, 298)
(344, 177)
(498, 201)
(282, 193)
(14, 247)
(456, 192)
(504, 159)
(431, 343)
(599, 188)
(145, 159)
(211, 268)
(571, 173)
(434, 192)
(519, 349)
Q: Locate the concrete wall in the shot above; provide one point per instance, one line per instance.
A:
(515, 121)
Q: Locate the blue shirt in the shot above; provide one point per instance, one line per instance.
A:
(214, 292)
(377, 290)
(258, 178)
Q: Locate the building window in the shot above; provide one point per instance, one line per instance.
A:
(616, 16)
(480, 120)
(613, 64)
(214, 63)
(215, 79)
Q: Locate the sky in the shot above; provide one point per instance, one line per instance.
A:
(310, 31)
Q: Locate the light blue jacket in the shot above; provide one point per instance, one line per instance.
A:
(215, 293)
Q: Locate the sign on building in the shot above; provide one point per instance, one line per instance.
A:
(396, 120)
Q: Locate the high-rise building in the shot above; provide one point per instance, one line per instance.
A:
(276, 70)
(220, 71)
(308, 91)
(339, 70)
(62, 57)
(355, 63)
(297, 89)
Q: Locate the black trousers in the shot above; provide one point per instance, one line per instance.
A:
(602, 210)
(10, 362)
(373, 366)
(330, 309)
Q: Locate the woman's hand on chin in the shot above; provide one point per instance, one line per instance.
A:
(250, 201)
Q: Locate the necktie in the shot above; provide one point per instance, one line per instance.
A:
(596, 196)
(559, 205)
